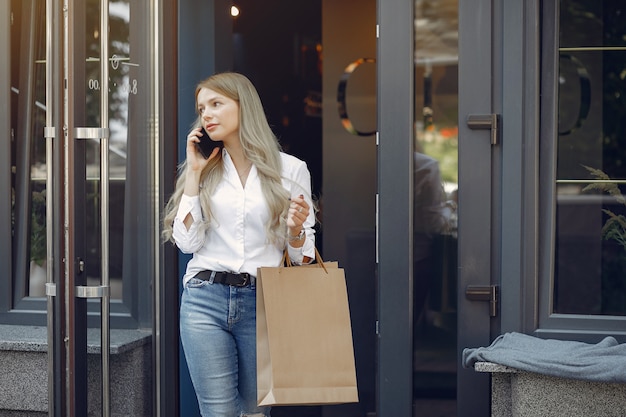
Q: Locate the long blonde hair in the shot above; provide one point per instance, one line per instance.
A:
(259, 145)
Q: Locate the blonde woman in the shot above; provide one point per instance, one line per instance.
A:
(235, 211)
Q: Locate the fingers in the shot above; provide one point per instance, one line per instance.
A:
(194, 158)
(300, 206)
(192, 139)
(299, 210)
(215, 151)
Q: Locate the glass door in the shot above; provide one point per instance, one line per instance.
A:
(435, 204)
(101, 177)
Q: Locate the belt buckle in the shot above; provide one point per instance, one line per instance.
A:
(246, 279)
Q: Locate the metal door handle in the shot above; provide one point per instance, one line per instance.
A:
(486, 122)
(484, 293)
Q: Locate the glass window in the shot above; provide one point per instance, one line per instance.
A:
(133, 231)
(435, 183)
(28, 153)
(590, 252)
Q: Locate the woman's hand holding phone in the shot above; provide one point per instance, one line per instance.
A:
(206, 145)
(201, 148)
(195, 165)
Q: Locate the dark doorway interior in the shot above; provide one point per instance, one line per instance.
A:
(277, 44)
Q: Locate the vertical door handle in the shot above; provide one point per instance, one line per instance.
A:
(484, 293)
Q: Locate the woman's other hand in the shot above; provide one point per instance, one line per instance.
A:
(298, 212)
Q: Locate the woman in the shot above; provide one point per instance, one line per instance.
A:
(235, 211)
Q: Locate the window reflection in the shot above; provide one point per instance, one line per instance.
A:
(121, 88)
(28, 154)
(590, 267)
(435, 181)
(28, 169)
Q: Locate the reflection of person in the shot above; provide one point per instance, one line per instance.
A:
(235, 211)
(429, 220)
(429, 195)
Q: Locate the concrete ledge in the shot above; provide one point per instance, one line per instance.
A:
(24, 375)
(494, 368)
(519, 393)
(35, 339)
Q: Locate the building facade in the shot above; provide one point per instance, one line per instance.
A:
(468, 159)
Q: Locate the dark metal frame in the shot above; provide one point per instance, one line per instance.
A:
(57, 365)
(5, 155)
(520, 73)
(166, 286)
(395, 208)
(478, 169)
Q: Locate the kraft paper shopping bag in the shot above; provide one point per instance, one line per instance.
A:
(305, 353)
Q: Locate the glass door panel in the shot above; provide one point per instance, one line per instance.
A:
(435, 183)
(131, 149)
(28, 153)
(110, 206)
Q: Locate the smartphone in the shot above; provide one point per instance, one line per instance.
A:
(206, 144)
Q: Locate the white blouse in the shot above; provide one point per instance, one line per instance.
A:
(236, 240)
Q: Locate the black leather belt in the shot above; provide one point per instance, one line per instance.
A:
(226, 278)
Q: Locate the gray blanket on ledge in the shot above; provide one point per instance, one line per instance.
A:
(602, 362)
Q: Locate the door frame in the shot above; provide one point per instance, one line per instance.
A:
(478, 185)
(68, 359)
(66, 178)
(395, 110)
(56, 306)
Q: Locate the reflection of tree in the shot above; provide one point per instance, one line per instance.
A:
(38, 227)
(436, 28)
(615, 226)
(614, 247)
(118, 45)
(445, 151)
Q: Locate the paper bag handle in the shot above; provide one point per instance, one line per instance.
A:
(287, 261)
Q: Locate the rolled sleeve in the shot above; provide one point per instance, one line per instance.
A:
(189, 204)
(192, 239)
(308, 249)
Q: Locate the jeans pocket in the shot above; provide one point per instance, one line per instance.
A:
(196, 283)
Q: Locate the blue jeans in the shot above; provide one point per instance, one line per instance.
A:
(218, 333)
